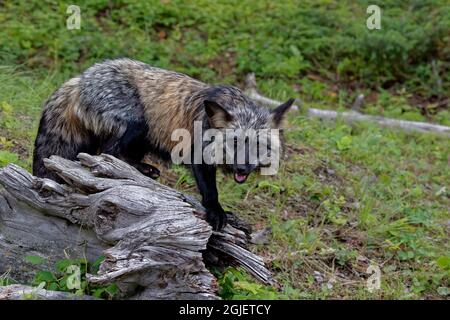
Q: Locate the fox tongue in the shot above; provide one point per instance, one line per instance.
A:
(240, 177)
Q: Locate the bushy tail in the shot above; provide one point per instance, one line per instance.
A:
(60, 130)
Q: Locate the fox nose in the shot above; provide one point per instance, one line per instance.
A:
(242, 169)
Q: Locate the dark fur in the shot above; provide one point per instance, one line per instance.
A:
(127, 108)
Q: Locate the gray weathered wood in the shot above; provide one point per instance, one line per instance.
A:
(350, 116)
(21, 292)
(154, 238)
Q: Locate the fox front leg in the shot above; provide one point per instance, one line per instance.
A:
(205, 177)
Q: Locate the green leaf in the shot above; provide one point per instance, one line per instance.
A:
(7, 157)
(96, 265)
(344, 143)
(6, 108)
(63, 283)
(250, 287)
(271, 186)
(444, 262)
(98, 292)
(34, 260)
(79, 292)
(112, 289)
(62, 265)
(44, 275)
(53, 286)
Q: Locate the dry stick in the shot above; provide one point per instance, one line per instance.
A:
(349, 116)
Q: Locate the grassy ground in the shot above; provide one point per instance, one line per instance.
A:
(346, 197)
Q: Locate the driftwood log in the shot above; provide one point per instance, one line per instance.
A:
(21, 292)
(349, 116)
(155, 239)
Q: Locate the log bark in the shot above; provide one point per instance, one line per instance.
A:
(155, 239)
(350, 116)
(21, 292)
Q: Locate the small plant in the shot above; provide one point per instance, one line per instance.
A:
(70, 276)
(236, 285)
(7, 157)
(5, 280)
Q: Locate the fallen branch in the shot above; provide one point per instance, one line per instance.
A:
(350, 116)
(21, 292)
(155, 239)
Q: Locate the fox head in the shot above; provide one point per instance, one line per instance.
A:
(252, 135)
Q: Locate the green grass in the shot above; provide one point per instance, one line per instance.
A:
(347, 196)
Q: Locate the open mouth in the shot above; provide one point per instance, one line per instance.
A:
(240, 178)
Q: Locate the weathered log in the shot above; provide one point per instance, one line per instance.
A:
(21, 292)
(154, 238)
(350, 116)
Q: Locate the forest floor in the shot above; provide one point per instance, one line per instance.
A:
(346, 197)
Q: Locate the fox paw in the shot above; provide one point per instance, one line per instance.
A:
(217, 219)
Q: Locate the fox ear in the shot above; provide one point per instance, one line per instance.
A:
(218, 117)
(278, 114)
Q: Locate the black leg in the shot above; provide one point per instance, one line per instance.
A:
(131, 148)
(205, 177)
